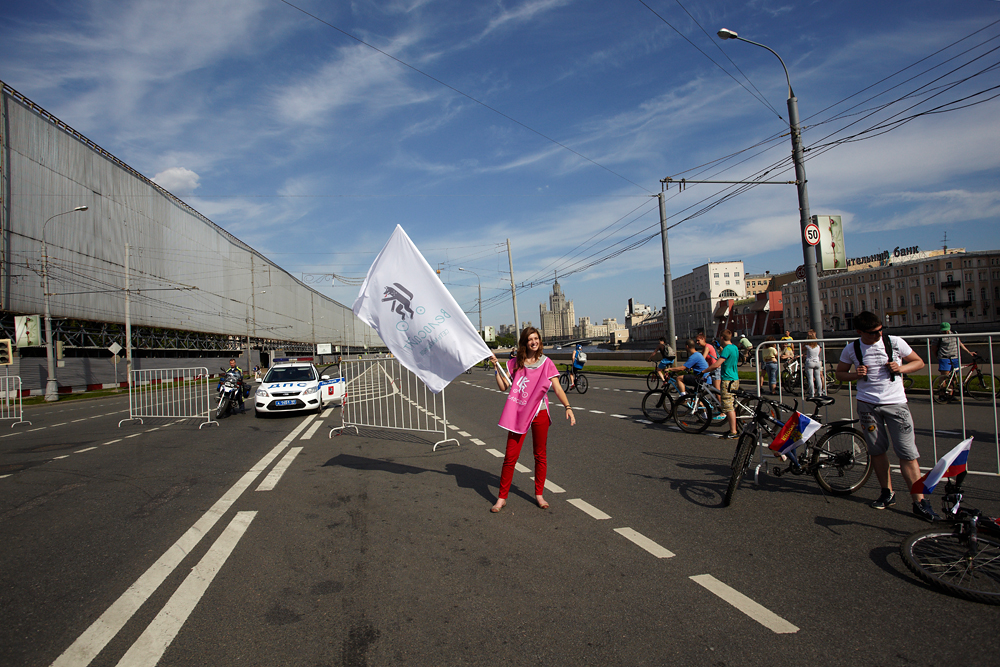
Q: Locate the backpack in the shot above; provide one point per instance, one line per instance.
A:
(581, 357)
(889, 350)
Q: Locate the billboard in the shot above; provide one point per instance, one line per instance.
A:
(27, 331)
(830, 252)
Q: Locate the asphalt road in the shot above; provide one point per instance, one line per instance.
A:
(162, 543)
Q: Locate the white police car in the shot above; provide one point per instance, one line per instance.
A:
(296, 386)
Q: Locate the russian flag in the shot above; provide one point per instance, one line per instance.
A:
(796, 430)
(950, 465)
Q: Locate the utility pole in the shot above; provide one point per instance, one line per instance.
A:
(513, 294)
(128, 325)
(668, 287)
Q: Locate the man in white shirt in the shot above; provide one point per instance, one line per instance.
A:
(885, 416)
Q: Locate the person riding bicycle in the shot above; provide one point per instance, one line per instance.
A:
(579, 359)
(696, 364)
(745, 346)
(947, 350)
(666, 354)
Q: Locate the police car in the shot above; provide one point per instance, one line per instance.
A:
(294, 386)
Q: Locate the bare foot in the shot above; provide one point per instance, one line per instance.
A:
(541, 502)
(499, 505)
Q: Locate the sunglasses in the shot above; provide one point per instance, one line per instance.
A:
(873, 332)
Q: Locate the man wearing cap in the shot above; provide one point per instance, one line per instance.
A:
(947, 350)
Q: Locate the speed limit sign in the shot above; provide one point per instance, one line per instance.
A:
(811, 233)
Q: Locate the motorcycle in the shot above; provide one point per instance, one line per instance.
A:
(229, 393)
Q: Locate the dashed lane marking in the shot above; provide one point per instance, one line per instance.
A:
(587, 508)
(311, 432)
(134, 435)
(620, 416)
(757, 612)
(520, 468)
(597, 412)
(278, 470)
(495, 453)
(81, 451)
(111, 442)
(477, 441)
(644, 542)
(552, 486)
(464, 434)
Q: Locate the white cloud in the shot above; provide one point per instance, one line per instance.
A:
(181, 181)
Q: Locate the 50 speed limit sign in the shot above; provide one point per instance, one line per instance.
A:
(811, 233)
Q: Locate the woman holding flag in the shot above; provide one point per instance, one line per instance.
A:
(527, 381)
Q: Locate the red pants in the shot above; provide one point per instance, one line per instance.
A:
(539, 435)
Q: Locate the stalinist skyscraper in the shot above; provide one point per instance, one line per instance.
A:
(558, 319)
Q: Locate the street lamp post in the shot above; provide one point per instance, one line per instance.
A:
(51, 385)
(480, 298)
(808, 252)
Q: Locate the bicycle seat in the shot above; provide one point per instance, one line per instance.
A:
(820, 401)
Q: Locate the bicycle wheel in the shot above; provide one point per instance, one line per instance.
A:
(653, 381)
(692, 414)
(841, 463)
(907, 383)
(657, 406)
(564, 380)
(741, 460)
(833, 384)
(742, 361)
(582, 383)
(981, 387)
(945, 560)
(940, 389)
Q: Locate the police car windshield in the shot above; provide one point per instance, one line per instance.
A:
(290, 374)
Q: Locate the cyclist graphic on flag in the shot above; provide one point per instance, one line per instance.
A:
(401, 303)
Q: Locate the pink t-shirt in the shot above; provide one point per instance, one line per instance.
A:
(528, 394)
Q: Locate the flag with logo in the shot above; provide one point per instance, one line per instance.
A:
(796, 430)
(950, 465)
(416, 317)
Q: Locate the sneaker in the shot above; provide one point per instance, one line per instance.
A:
(923, 510)
(730, 436)
(885, 500)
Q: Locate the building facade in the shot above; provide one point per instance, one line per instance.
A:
(697, 293)
(920, 289)
(558, 319)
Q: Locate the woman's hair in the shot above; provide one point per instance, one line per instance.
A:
(522, 346)
(811, 334)
(769, 338)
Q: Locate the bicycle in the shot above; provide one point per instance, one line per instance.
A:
(836, 455)
(653, 379)
(581, 384)
(746, 356)
(962, 558)
(791, 379)
(658, 404)
(701, 407)
(975, 383)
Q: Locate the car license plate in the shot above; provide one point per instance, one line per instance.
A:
(279, 403)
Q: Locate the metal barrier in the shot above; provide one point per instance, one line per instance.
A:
(382, 394)
(182, 393)
(975, 416)
(10, 400)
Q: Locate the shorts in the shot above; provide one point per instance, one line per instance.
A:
(716, 374)
(662, 363)
(577, 369)
(729, 388)
(945, 365)
(880, 423)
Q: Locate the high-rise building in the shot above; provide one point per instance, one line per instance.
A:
(558, 319)
(696, 294)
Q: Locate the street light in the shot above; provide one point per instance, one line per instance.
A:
(808, 252)
(51, 385)
(247, 304)
(480, 297)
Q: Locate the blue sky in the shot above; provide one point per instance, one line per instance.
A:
(548, 122)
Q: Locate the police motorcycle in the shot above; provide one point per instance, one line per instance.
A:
(231, 392)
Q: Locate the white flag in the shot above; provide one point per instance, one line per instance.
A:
(416, 317)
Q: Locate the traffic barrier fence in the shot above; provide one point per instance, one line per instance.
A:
(181, 393)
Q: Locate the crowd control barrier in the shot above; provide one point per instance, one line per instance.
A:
(381, 393)
(938, 425)
(182, 393)
(11, 407)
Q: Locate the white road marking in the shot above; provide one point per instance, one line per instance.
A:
(149, 648)
(103, 630)
(111, 442)
(134, 435)
(597, 412)
(2, 476)
(495, 453)
(150, 430)
(478, 441)
(588, 509)
(326, 413)
(452, 427)
(520, 468)
(64, 423)
(464, 434)
(79, 420)
(761, 614)
(311, 432)
(81, 451)
(620, 416)
(64, 456)
(278, 470)
(643, 421)
(32, 430)
(644, 542)
(552, 486)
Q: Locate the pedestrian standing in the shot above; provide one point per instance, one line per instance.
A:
(813, 366)
(727, 363)
(527, 406)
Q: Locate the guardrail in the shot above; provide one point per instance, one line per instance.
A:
(10, 400)
(181, 393)
(976, 416)
(381, 393)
